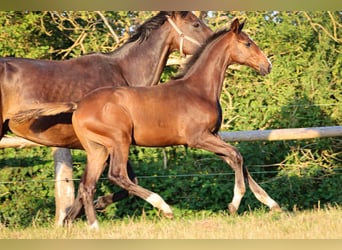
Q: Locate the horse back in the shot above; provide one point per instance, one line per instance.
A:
(24, 81)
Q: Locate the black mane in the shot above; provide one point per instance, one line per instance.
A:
(199, 52)
(144, 30)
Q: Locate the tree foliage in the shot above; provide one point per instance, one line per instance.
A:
(303, 90)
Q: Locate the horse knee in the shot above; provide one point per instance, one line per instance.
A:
(235, 158)
(238, 157)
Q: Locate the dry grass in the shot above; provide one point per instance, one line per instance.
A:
(315, 224)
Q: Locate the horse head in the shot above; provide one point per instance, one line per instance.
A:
(245, 51)
(188, 31)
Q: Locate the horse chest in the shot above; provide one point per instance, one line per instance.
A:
(218, 119)
(210, 113)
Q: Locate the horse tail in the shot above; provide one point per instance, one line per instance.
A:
(43, 109)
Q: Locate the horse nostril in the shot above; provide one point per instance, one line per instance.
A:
(265, 69)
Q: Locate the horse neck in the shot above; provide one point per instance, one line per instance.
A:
(209, 69)
(143, 62)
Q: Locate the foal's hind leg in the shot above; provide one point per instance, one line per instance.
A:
(118, 174)
(96, 159)
(233, 157)
(229, 154)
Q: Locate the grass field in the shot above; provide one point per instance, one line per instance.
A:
(314, 224)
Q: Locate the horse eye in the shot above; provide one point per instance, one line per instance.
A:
(248, 44)
(196, 25)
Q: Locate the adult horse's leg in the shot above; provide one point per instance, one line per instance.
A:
(103, 201)
(232, 156)
(64, 185)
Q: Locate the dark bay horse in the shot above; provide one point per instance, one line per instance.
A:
(184, 111)
(139, 62)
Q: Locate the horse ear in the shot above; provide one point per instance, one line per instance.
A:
(180, 13)
(235, 26)
(171, 13)
(241, 26)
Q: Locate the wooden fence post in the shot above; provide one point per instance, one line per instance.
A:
(64, 184)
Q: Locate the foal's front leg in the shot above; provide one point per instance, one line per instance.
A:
(84, 199)
(232, 156)
(74, 210)
(96, 158)
(261, 194)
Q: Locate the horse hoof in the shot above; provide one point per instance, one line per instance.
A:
(168, 215)
(100, 204)
(94, 226)
(276, 208)
(67, 223)
(232, 209)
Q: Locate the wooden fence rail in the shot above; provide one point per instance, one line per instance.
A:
(282, 134)
(248, 135)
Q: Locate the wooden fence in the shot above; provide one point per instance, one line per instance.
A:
(64, 187)
(248, 135)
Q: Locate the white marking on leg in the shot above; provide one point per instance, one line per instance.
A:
(238, 194)
(94, 226)
(264, 198)
(271, 203)
(157, 201)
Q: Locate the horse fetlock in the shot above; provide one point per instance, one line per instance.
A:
(267, 200)
(276, 208)
(158, 202)
(94, 226)
(232, 208)
(72, 213)
(168, 215)
(103, 201)
(67, 222)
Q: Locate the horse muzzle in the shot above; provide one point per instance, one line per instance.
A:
(265, 69)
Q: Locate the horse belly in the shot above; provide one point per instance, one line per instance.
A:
(44, 132)
(160, 135)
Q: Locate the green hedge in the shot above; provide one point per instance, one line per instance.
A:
(192, 180)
